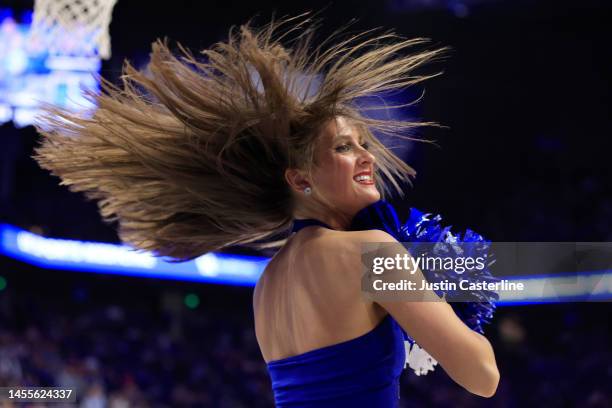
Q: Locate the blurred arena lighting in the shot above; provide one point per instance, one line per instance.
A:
(31, 74)
(2, 283)
(192, 300)
(244, 270)
(123, 260)
(593, 286)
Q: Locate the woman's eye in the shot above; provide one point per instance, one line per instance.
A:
(347, 146)
(343, 148)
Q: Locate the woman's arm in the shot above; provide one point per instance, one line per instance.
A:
(465, 355)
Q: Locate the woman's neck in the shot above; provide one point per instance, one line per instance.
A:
(333, 219)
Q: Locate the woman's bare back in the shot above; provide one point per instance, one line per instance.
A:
(306, 300)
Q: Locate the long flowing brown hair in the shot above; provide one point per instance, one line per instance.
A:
(189, 154)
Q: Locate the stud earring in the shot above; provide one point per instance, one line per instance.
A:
(307, 190)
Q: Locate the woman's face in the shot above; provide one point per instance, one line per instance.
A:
(344, 173)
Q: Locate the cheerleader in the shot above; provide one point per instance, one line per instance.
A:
(260, 140)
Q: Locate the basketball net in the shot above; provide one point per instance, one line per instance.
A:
(76, 28)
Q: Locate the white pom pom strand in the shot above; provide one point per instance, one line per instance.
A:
(418, 359)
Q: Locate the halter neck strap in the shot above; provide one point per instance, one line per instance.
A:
(299, 224)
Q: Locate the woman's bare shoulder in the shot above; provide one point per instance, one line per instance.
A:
(344, 248)
(351, 239)
(323, 246)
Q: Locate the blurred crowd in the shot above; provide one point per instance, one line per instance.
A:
(122, 355)
(151, 351)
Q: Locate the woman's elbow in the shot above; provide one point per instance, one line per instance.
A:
(488, 386)
(489, 371)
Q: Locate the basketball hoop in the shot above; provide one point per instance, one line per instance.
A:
(76, 28)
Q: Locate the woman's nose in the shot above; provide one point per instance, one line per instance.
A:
(366, 156)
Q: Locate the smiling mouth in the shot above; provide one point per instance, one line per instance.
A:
(364, 179)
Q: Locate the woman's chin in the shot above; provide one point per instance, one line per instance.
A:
(371, 197)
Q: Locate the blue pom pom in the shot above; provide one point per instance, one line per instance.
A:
(477, 306)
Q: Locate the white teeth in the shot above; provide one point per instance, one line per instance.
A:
(363, 178)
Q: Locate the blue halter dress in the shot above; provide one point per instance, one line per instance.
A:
(364, 372)
(359, 373)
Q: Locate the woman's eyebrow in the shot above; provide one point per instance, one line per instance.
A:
(345, 136)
